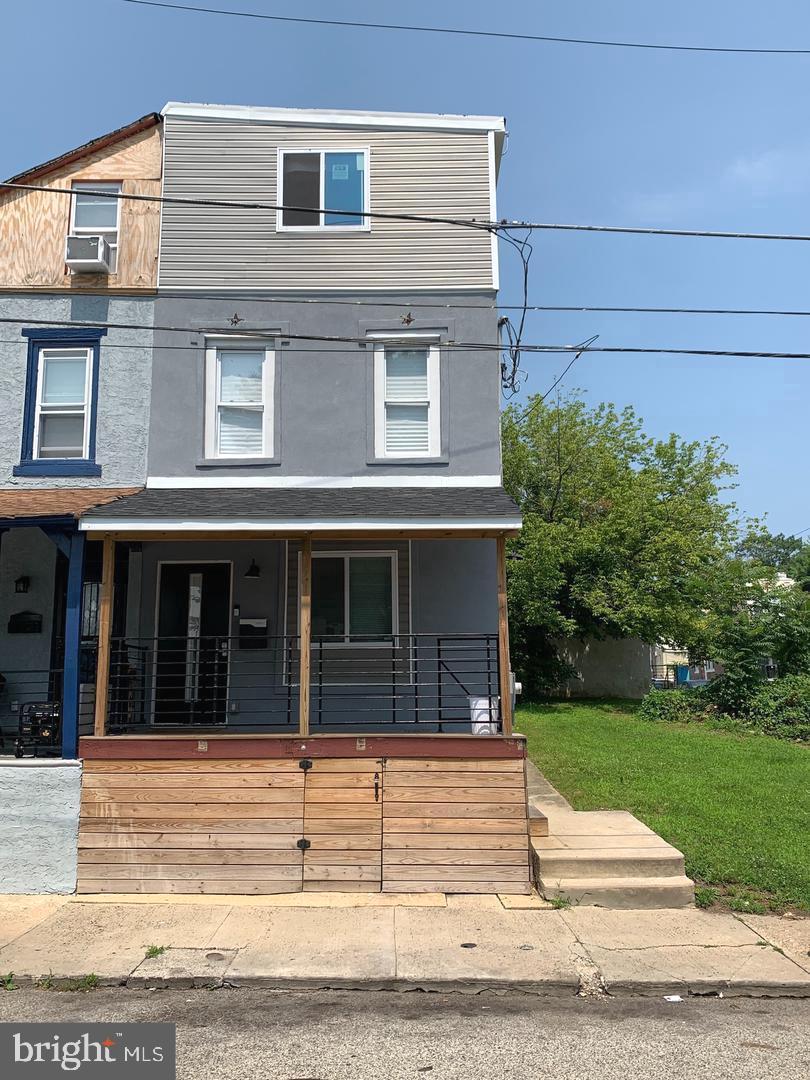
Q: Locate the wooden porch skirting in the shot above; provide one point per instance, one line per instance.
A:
(331, 813)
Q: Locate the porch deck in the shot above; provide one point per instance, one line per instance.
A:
(269, 813)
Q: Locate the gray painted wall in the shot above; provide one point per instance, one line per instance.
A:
(455, 587)
(25, 658)
(39, 825)
(124, 384)
(326, 390)
(613, 668)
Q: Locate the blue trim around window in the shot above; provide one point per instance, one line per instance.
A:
(89, 336)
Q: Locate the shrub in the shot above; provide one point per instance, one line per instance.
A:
(782, 708)
(675, 706)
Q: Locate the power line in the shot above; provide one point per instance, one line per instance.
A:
(469, 33)
(469, 346)
(235, 204)
(499, 227)
(415, 302)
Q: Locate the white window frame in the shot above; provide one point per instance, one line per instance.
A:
(393, 557)
(111, 235)
(433, 401)
(213, 346)
(82, 408)
(365, 224)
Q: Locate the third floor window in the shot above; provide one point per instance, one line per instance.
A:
(323, 189)
(97, 215)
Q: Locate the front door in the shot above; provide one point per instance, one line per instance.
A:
(192, 650)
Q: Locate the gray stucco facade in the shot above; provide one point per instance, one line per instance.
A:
(39, 824)
(123, 385)
(324, 407)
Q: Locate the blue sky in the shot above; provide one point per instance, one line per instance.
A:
(596, 135)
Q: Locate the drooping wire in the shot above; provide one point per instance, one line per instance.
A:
(511, 375)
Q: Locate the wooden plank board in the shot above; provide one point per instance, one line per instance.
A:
(203, 841)
(515, 841)
(236, 886)
(228, 781)
(449, 857)
(181, 872)
(185, 857)
(403, 764)
(168, 825)
(211, 767)
(474, 793)
(200, 795)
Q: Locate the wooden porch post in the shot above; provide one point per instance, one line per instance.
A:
(504, 665)
(104, 630)
(305, 635)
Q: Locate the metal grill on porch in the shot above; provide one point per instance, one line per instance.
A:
(437, 682)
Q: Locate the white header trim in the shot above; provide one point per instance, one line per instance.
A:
(336, 118)
(383, 480)
(297, 525)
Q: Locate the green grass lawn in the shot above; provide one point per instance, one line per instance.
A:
(738, 806)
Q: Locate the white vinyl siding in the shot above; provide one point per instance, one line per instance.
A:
(407, 413)
(239, 400)
(97, 215)
(439, 173)
(61, 421)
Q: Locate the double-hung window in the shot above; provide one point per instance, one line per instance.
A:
(323, 189)
(97, 215)
(61, 425)
(59, 417)
(239, 400)
(353, 597)
(407, 415)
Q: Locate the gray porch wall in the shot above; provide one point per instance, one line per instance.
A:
(123, 392)
(324, 414)
(455, 587)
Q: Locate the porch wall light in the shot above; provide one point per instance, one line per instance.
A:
(253, 571)
(22, 584)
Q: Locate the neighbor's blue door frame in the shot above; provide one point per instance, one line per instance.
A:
(73, 646)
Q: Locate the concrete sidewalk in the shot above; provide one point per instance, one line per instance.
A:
(462, 943)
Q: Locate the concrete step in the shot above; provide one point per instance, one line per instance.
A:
(622, 892)
(630, 861)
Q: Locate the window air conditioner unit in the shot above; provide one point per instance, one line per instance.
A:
(88, 254)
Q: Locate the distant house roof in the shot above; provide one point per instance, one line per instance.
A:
(309, 509)
(150, 120)
(26, 503)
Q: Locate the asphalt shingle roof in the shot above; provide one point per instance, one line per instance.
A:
(278, 504)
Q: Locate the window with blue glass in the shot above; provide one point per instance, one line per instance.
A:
(323, 189)
(59, 418)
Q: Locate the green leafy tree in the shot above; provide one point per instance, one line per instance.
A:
(623, 535)
(768, 549)
(799, 567)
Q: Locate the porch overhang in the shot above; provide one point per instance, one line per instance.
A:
(164, 514)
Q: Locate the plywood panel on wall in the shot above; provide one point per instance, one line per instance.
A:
(34, 224)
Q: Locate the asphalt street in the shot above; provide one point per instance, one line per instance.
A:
(346, 1035)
